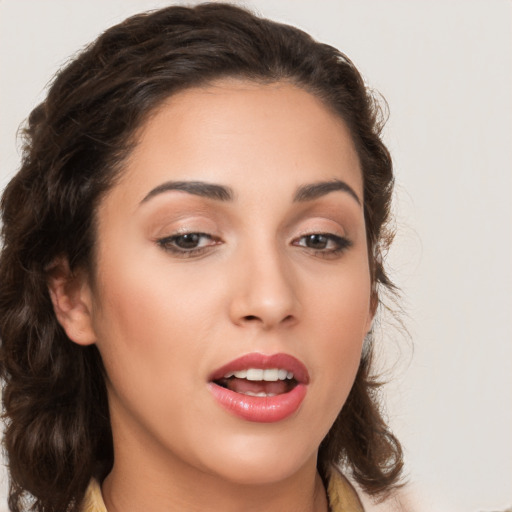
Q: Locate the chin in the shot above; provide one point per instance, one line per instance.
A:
(260, 461)
(257, 473)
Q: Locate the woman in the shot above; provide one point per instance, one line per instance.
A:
(192, 263)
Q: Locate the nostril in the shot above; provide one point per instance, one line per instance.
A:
(255, 318)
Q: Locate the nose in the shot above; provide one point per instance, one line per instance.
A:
(264, 291)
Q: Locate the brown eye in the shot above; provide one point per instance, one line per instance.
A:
(323, 243)
(188, 244)
(316, 241)
(188, 241)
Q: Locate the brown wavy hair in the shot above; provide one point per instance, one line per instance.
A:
(57, 428)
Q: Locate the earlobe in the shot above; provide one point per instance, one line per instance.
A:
(71, 298)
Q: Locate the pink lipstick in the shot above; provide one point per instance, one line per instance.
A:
(261, 388)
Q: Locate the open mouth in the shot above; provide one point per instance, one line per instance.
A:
(261, 388)
(259, 382)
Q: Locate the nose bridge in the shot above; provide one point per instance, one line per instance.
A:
(266, 290)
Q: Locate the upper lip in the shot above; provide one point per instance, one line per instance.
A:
(263, 361)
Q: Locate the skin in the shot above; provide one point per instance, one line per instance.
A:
(164, 320)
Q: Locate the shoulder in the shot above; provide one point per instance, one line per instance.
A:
(342, 495)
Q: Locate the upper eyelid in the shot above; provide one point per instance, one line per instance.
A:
(319, 230)
(170, 228)
(339, 231)
(177, 222)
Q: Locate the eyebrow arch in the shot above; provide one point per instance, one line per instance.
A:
(196, 188)
(316, 190)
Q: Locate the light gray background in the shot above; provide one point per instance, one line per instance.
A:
(445, 68)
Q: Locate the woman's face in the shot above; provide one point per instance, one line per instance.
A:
(234, 240)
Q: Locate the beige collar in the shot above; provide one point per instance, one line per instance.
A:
(342, 496)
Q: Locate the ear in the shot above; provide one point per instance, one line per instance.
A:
(72, 302)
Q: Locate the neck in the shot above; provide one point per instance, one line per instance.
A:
(132, 487)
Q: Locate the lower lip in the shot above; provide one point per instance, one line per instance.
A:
(267, 409)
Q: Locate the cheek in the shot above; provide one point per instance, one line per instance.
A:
(340, 316)
(339, 347)
(144, 325)
(149, 316)
(341, 303)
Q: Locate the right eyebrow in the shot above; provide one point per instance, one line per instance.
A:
(196, 188)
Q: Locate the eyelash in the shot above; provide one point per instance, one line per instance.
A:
(341, 244)
(169, 244)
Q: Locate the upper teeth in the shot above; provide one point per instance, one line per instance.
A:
(270, 374)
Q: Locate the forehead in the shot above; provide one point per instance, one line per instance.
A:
(244, 133)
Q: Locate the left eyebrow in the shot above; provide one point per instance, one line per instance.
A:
(322, 188)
